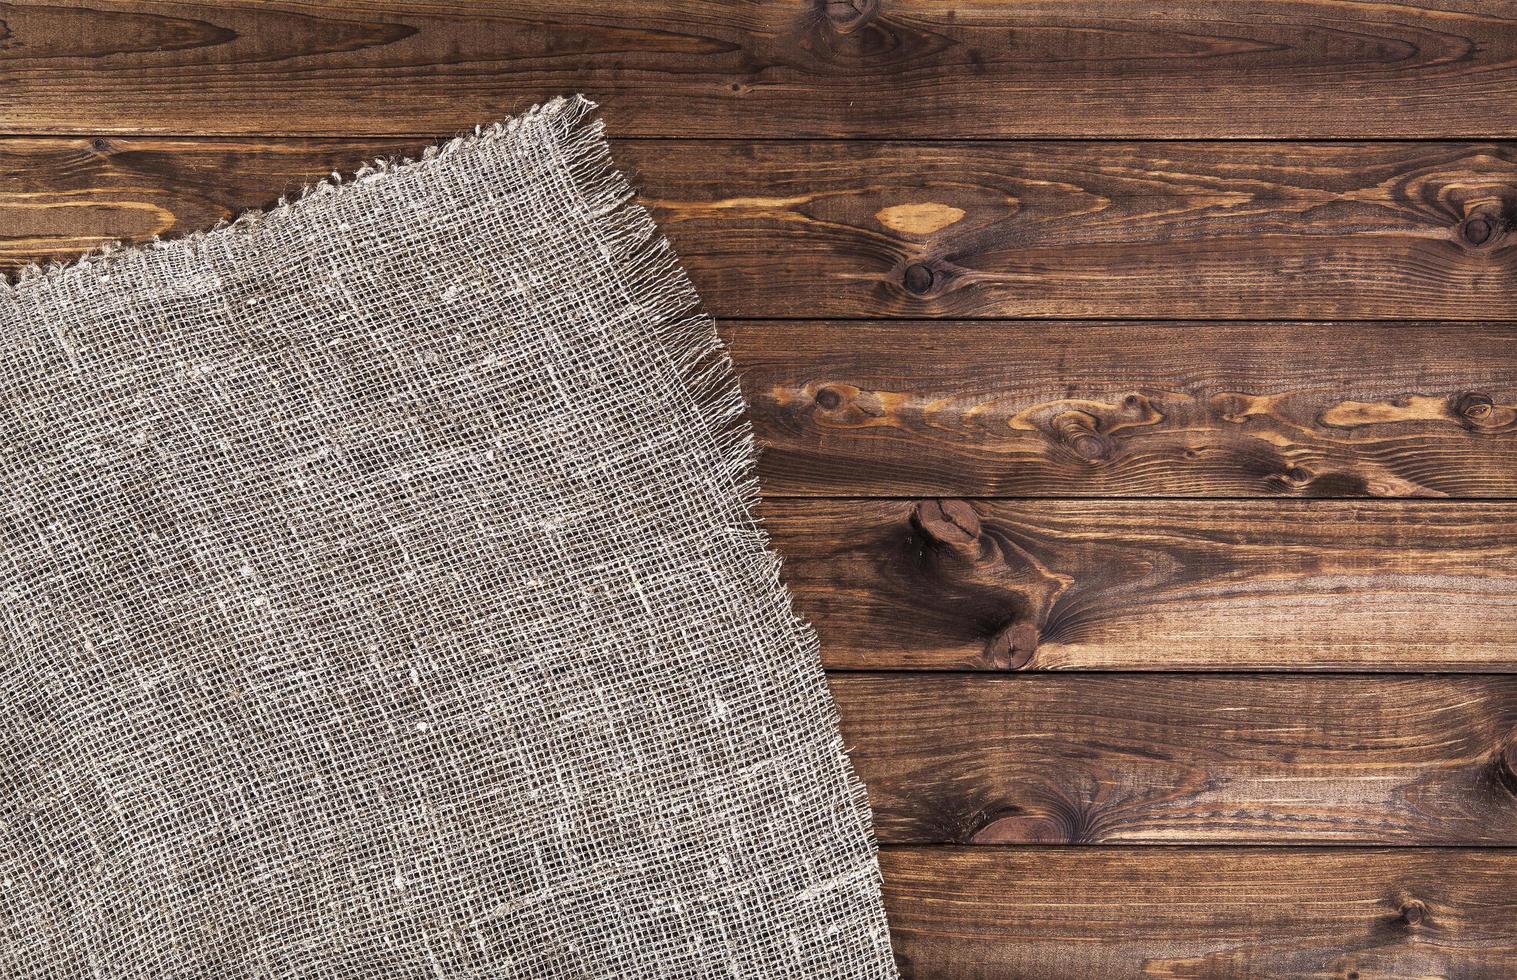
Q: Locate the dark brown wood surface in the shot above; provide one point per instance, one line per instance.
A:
(1045, 311)
(1171, 758)
(1175, 409)
(778, 68)
(1096, 229)
(1152, 585)
(1245, 231)
(1078, 913)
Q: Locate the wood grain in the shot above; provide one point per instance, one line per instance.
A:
(1171, 758)
(979, 409)
(776, 142)
(984, 913)
(778, 68)
(1156, 230)
(856, 229)
(962, 408)
(60, 198)
(1156, 585)
(1188, 409)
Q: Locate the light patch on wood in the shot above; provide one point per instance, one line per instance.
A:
(52, 221)
(748, 203)
(918, 219)
(1413, 408)
(1111, 416)
(853, 407)
(1238, 407)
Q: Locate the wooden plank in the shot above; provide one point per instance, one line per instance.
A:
(1158, 230)
(60, 198)
(1285, 913)
(801, 229)
(779, 68)
(1193, 409)
(1183, 759)
(1154, 585)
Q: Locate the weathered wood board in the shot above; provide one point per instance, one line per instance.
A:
(774, 68)
(1154, 585)
(1176, 759)
(1074, 913)
(1244, 231)
(1200, 409)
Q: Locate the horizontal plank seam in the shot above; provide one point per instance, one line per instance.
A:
(1335, 140)
(1336, 847)
(1449, 501)
(1263, 674)
(1174, 322)
(1188, 321)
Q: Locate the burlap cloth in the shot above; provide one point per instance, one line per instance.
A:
(380, 598)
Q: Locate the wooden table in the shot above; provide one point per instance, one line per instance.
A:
(1138, 385)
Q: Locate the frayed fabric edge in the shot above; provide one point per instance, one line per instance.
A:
(108, 257)
(654, 280)
(650, 270)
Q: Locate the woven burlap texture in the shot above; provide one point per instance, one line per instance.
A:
(380, 598)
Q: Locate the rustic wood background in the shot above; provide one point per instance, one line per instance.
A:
(1052, 315)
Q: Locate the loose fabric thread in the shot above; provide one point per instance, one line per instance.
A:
(380, 597)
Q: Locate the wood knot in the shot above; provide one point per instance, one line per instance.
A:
(918, 279)
(1509, 763)
(829, 399)
(1413, 912)
(100, 144)
(844, 404)
(1012, 648)
(1481, 229)
(952, 524)
(847, 16)
(977, 574)
(1080, 432)
(1474, 406)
